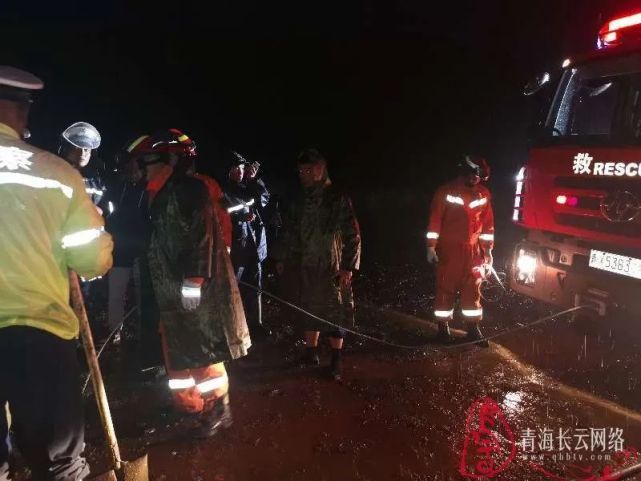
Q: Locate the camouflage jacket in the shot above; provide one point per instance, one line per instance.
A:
(320, 230)
(187, 241)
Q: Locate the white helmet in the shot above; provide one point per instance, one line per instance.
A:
(82, 135)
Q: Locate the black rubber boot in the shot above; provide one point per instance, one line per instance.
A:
(336, 365)
(474, 334)
(310, 358)
(443, 335)
(215, 420)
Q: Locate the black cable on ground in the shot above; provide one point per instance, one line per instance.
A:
(109, 337)
(422, 347)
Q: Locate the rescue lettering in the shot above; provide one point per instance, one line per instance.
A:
(617, 169)
(583, 165)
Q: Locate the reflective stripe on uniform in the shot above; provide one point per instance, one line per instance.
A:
(235, 208)
(478, 202)
(487, 237)
(240, 206)
(212, 384)
(91, 190)
(432, 235)
(444, 313)
(454, 200)
(35, 182)
(181, 383)
(136, 142)
(472, 312)
(190, 292)
(81, 238)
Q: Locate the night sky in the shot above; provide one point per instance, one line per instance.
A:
(392, 91)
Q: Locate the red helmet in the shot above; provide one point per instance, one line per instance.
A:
(164, 142)
(476, 165)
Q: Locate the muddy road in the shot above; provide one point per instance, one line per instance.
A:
(398, 414)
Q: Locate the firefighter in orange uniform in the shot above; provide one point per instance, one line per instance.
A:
(202, 323)
(460, 238)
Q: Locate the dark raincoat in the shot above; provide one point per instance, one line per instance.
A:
(187, 241)
(249, 242)
(320, 237)
(96, 189)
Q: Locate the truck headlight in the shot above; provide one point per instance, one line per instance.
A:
(526, 264)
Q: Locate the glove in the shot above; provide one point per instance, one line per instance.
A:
(191, 290)
(432, 258)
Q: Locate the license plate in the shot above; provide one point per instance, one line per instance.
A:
(622, 265)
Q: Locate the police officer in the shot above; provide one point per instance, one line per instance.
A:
(48, 226)
(76, 145)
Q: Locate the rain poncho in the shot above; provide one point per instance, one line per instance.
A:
(48, 225)
(320, 237)
(187, 241)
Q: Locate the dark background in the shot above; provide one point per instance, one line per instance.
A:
(393, 92)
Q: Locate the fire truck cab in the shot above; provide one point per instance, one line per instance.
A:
(579, 195)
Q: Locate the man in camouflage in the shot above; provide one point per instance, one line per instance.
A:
(320, 249)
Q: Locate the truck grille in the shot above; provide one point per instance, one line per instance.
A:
(590, 193)
(630, 229)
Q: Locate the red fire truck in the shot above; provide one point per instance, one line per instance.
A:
(579, 195)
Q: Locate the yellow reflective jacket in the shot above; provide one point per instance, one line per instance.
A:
(48, 225)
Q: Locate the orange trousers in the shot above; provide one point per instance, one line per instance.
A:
(455, 275)
(195, 390)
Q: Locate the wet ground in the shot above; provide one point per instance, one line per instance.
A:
(398, 414)
(395, 416)
(601, 356)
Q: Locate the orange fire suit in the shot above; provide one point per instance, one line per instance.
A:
(461, 226)
(195, 390)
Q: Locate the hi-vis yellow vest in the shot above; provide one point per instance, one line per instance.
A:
(48, 225)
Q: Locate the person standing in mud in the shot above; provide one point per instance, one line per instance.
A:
(247, 196)
(320, 250)
(202, 323)
(48, 227)
(460, 238)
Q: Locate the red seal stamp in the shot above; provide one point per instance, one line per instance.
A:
(489, 446)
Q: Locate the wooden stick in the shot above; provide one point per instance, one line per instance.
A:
(94, 369)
